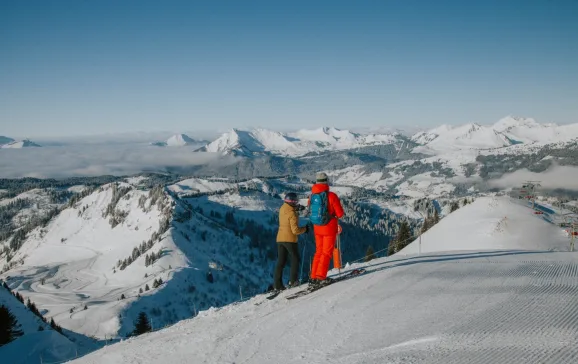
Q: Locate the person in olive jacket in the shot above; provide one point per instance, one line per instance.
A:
(287, 240)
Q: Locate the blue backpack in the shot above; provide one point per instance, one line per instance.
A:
(319, 208)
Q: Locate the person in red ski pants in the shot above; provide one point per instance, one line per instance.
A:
(325, 235)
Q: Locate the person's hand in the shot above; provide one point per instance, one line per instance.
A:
(339, 229)
(306, 228)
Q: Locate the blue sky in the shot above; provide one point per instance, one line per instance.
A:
(93, 67)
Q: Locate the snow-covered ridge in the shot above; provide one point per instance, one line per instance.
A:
(39, 340)
(506, 132)
(262, 141)
(491, 223)
(95, 258)
(177, 140)
(20, 144)
(5, 140)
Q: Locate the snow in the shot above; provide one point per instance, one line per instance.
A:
(259, 141)
(200, 185)
(77, 188)
(178, 140)
(529, 131)
(468, 136)
(76, 254)
(492, 306)
(20, 144)
(505, 135)
(48, 344)
(493, 283)
(5, 140)
(40, 347)
(40, 204)
(490, 223)
(136, 180)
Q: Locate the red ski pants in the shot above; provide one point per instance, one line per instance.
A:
(324, 245)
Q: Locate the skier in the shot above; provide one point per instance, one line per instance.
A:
(325, 209)
(287, 240)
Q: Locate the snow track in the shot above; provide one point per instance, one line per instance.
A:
(490, 307)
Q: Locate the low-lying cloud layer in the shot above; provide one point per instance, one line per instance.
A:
(97, 160)
(565, 177)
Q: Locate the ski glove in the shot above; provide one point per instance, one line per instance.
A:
(339, 229)
(306, 228)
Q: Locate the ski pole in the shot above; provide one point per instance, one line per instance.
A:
(302, 261)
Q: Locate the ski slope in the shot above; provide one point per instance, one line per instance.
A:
(491, 223)
(506, 305)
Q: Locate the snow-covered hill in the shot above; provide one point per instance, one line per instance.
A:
(178, 140)
(506, 132)
(20, 144)
(90, 266)
(262, 141)
(5, 140)
(39, 341)
(491, 223)
(487, 306)
(527, 130)
(470, 136)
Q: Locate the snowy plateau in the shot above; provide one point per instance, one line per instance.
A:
(193, 248)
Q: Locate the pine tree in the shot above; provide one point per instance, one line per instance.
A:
(9, 327)
(122, 296)
(147, 288)
(402, 239)
(369, 254)
(55, 326)
(140, 290)
(436, 217)
(426, 225)
(142, 324)
(454, 206)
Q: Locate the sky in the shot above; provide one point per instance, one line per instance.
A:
(96, 67)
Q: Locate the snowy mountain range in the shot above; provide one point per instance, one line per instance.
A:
(178, 140)
(443, 139)
(261, 142)
(13, 144)
(504, 133)
(93, 253)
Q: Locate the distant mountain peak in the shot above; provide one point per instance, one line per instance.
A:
(180, 140)
(177, 140)
(5, 140)
(26, 143)
(263, 141)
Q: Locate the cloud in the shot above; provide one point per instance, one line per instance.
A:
(96, 160)
(555, 177)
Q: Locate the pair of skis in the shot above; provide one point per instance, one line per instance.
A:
(310, 289)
